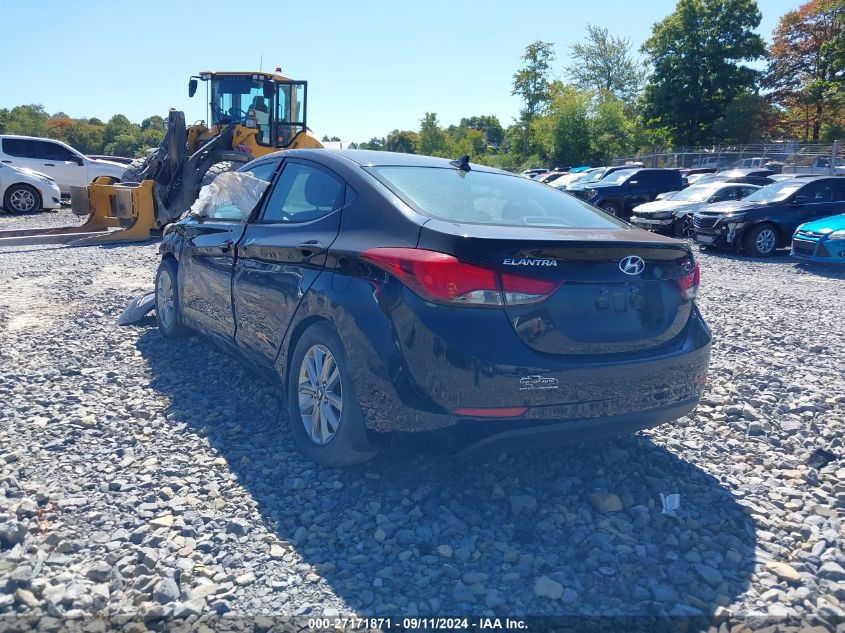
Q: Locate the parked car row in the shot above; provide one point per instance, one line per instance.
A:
(797, 212)
(41, 158)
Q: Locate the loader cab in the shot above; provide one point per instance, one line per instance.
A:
(273, 105)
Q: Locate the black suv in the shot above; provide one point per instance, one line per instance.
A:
(766, 220)
(621, 191)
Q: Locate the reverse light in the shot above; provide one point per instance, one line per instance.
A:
(499, 412)
(443, 278)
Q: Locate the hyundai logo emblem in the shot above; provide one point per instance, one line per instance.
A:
(632, 265)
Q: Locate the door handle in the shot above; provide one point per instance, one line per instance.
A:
(226, 246)
(6, 161)
(310, 248)
(49, 164)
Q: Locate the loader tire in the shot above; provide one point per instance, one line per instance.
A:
(218, 168)
(133, 170)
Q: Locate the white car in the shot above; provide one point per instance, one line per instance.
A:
(59, 161)
(674, 215)
(24, 190)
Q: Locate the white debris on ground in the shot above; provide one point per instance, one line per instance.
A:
(149, 478)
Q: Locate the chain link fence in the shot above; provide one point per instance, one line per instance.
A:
(783, 157)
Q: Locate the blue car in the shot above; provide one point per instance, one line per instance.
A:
(821, 241)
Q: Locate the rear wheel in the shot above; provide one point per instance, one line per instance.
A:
(21, 198)
(325, 416)
(168, 308)
(218, 168)
(761, 240)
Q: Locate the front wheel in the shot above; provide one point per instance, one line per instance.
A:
(761, 240)
(325, 416)
(611, 208)
(168, 308)
(684, 227)
(21, 198)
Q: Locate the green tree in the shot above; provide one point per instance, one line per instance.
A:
(488, 124)
(604, 63)
(697, 54)
(150, 137)
(404, 141)
(562, 134)
(86, 137)
(433, 140)
(28, 120)
(117, 126)
(531, 82)
(807, 67)
(612, 132)
(375, 143)
(154, 122)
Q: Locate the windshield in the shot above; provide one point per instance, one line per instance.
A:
(232, 98)
(489, 198)
(776, 192)
(618, 177)
(699, 193)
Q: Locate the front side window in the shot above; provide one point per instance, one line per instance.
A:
(480, 197)
(818, 192)
(303, 193)
(54, 151)
(230, 196)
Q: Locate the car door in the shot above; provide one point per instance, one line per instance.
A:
(282, 253)
(62, 165)
(813, 200)
(637, 190)
(208, 256)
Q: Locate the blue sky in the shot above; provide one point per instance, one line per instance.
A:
(372, 65)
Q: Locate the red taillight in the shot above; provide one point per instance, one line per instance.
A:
(446, 279)
(500, 412)
(688, 284)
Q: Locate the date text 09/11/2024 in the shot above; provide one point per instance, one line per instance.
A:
(415, 623)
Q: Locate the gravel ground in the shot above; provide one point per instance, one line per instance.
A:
(143, 479)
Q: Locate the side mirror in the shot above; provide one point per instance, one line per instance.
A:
(78, 160)
(269, 90)
(192, 87)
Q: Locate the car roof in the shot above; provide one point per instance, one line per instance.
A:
(373, 158)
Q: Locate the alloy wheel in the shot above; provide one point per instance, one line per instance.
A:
(22, 200)
(165, 304)
(320, 394)
(610, 209)
(765, 241)
(687, 229)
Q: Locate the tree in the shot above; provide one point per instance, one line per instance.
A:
(697, 54)
(403, 141)
(612, 132)
(433, 140)
(488, 124)
(562, 133)
(154, 122)
(603, 63)
(117, 126)
(86, 137)
(28, 120)
(326, 139)
(807, 67)
(531, 82)
(374, 143)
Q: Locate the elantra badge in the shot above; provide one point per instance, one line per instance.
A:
(632, 265)
(529, 262)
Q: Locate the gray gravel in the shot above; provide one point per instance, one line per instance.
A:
(152, 479)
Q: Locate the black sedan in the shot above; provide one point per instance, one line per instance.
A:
(394, 293)
(766, 220)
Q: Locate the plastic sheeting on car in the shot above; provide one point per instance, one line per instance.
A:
(230, 196)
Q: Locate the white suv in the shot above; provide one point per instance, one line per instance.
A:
(60, 162)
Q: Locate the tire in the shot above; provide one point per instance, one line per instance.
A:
(683, 227)
(345, 443)
(22, 198)
(169, 317)
(132, 173)
(761, 240)
(218, 168)
(611, 208)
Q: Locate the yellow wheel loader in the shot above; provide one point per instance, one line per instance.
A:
(250, 114)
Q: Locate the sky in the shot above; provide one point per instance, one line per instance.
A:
(372, 66)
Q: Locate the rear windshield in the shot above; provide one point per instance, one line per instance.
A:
(478, 197)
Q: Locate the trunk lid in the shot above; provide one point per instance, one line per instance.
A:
(595, 308)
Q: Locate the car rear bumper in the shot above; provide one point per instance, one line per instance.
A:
(438, 361)
(558, 434)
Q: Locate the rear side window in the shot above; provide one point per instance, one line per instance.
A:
(303, 193)
(20, 147)
(479, 197)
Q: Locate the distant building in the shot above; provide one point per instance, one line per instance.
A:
(339, 145)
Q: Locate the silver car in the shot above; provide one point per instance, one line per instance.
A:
(674, 215)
